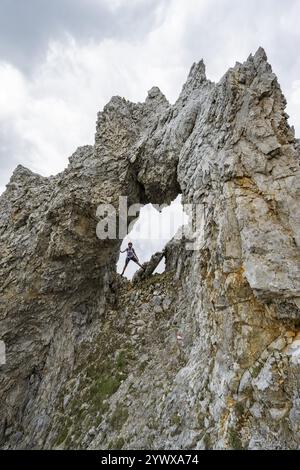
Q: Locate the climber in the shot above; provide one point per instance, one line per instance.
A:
(131, 256)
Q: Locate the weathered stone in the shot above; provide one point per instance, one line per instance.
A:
(148, 267)
(89, 363)
(278, 344)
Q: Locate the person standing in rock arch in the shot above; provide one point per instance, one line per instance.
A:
(131, 256)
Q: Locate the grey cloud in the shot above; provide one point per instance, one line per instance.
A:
(226, 24)
(26, 26)
(12, 152)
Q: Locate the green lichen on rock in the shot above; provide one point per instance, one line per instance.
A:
(62, 437)
(234, 440)
(119, 417)
(240, 409)
(116, 444)
(99, 375)
(207, 441)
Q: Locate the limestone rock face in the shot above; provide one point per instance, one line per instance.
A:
(148, 267)
(205, 355)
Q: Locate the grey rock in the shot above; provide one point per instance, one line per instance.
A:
(70, 323)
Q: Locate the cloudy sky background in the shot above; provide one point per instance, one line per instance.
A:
(62, 60)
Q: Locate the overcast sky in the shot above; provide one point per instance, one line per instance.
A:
(62, 60)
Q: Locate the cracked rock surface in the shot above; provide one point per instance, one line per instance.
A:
(205, 355)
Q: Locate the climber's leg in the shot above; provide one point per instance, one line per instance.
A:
(136, 261)
(125, 266)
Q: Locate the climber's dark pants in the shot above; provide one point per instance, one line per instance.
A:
(131, 259)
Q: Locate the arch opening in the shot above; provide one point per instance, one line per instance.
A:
(154, 227)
